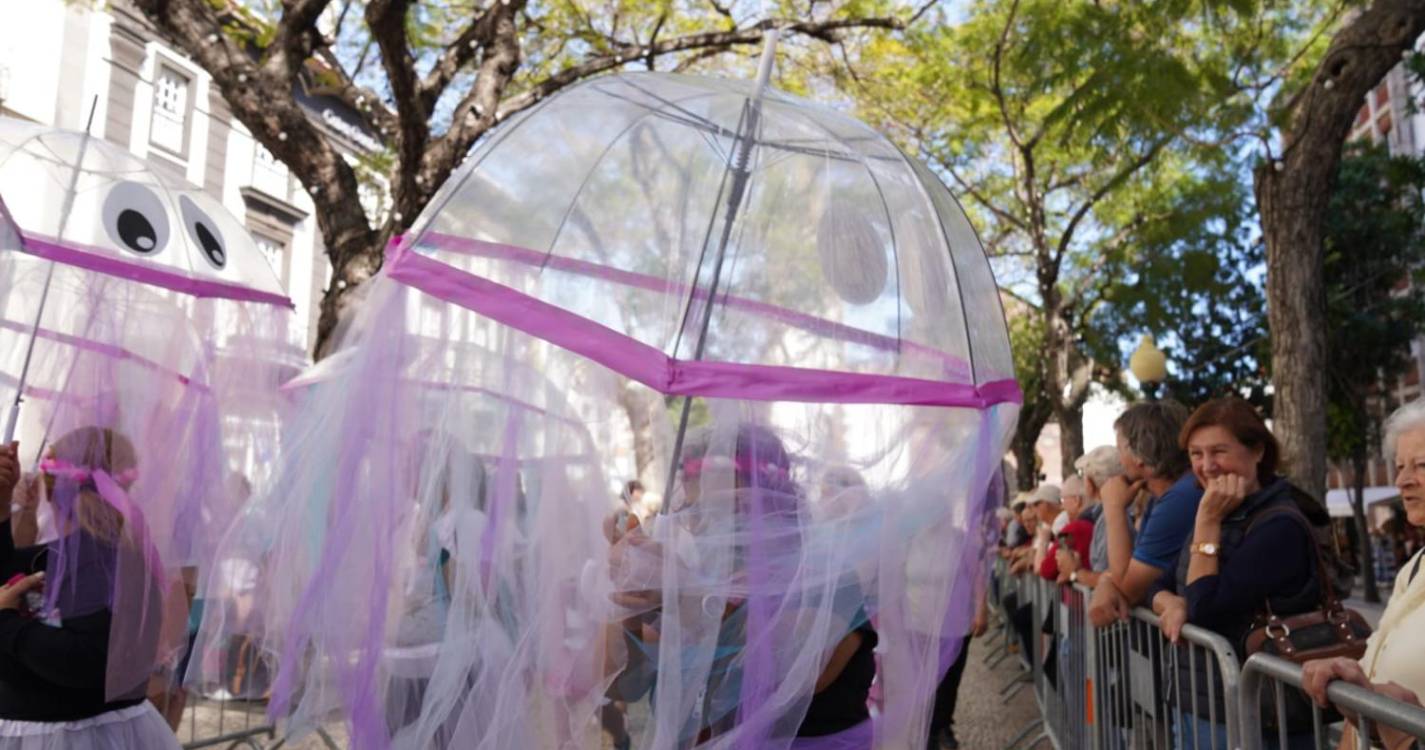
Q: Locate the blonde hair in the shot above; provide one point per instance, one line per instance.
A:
(99, 449)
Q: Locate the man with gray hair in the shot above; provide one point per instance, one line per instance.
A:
(1152, 459)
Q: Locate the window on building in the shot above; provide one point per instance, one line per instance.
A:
(276, 254)
(268, 174)
(169, 128)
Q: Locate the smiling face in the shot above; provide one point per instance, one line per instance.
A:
(1216, 452)
(1410, 474)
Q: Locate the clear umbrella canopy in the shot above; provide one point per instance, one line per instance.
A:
(134, 304)
(757, 305)
(119, 215)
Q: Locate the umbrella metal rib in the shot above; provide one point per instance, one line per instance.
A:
(740, 175)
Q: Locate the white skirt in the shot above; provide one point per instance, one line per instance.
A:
(133, 728)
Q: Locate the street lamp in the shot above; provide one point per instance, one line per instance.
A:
(1149, 365)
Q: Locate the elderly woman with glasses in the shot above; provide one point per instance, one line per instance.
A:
(1394, 663)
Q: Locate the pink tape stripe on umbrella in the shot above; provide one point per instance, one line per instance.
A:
(955, 367)
(653, 368)
(98, 260)
(97, 347)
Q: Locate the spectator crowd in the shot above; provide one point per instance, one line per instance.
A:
(1190, 515)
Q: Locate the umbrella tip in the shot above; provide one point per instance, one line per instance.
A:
(769, 58)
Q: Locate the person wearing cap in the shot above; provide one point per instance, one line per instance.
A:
(1047, 508)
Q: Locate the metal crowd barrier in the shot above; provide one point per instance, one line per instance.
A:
(1126, 687)
(1371, 708)
(224, 723)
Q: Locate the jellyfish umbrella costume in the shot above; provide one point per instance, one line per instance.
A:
(127, 296)
(755, 301)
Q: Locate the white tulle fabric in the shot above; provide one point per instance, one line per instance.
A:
(134, 728)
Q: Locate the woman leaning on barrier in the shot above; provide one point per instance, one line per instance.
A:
(1394, 663)
(1251, 551)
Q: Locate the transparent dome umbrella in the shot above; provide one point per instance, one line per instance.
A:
(120, 285)
(757, 301)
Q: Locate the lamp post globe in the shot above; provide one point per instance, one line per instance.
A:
(1149, 365)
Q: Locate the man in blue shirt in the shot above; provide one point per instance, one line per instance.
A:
(1153, 461)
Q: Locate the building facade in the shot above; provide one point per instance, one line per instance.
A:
(1389, 115)
(59, 59)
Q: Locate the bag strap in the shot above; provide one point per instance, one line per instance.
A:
(1415, 570)
(1330, 602)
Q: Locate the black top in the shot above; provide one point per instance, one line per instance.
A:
(50, 674)
(842, 704)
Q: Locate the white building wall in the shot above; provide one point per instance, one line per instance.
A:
(56, 61)
(30, 41)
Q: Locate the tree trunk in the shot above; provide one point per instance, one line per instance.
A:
(1358, 509)
(652, 434)
(1071, 435)
(1026, 459)
(1292, 194)
(353, 265)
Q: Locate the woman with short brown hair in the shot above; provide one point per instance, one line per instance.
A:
(1251, 550)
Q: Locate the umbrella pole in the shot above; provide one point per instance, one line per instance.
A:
(13, 420)
(741, 174)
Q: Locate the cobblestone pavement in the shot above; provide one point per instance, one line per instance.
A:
(244, 721)
(982, 721)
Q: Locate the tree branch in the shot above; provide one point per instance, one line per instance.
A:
(361, 100)
(979, 197)
(456, 56)
(1113, 183)
(478, 111)
(721, 40)
(386, 20)
(996, 88)
(297, 35)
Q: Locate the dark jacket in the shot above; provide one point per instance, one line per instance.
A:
(1266, 557)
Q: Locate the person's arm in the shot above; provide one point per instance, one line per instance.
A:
(25, 523)
(840, 657)
(74, 656)
(9, 476)
(1136, 584)
(1043, 539)
(1115, 496)
(1270, 560)
(1049, 565)
(1171, 610)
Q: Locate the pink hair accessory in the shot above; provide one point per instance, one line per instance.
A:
(60, 468)
(694, 466)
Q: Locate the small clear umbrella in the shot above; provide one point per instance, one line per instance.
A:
(133, 301)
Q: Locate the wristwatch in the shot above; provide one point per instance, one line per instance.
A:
(1206, 548)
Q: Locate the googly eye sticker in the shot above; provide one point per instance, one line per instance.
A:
(135, 219)
(204, 232)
